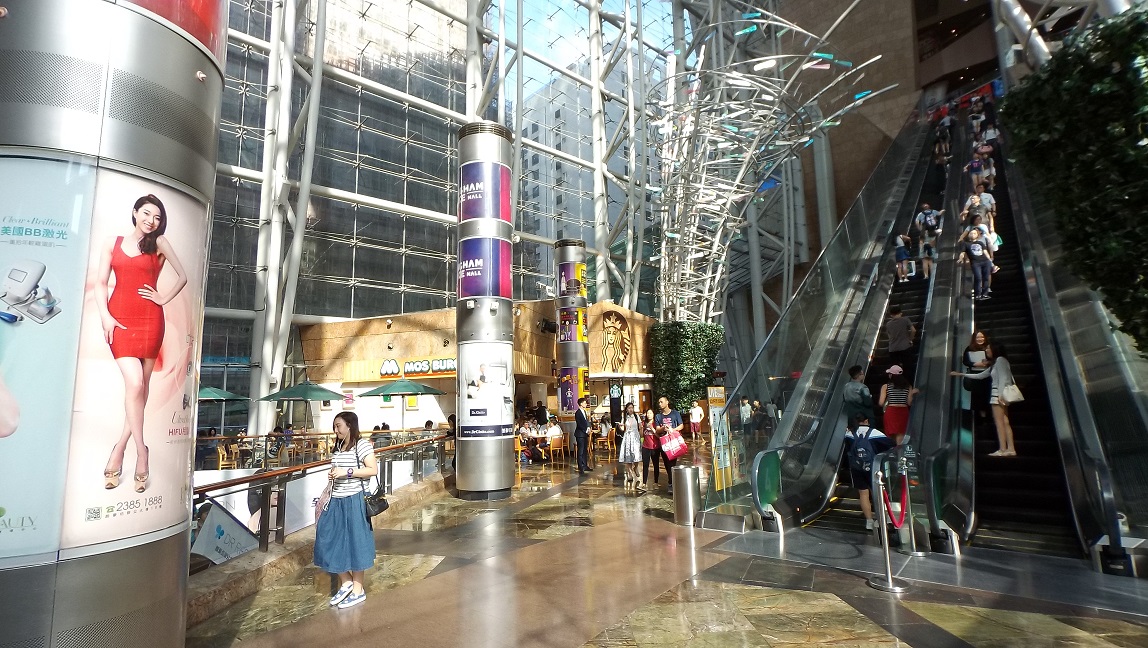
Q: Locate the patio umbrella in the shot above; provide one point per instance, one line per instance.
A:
(403, 387)
(304, 391)
(216, 395)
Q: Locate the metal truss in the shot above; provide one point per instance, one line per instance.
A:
(761, 88)
(1017, 27)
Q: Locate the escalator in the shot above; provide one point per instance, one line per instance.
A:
(1021, 503)
(843, 513)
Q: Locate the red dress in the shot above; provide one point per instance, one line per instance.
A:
(142, 317)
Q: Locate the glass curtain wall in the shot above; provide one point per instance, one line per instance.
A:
(374, 146)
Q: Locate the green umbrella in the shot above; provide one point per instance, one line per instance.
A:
(304, 391)
(403, 387)
(219, 395)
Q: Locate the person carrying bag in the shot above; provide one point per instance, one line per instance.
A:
(344, 544)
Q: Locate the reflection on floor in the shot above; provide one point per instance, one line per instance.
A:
(577, 561)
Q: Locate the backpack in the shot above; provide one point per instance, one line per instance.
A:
(931, 221)
(862, 453)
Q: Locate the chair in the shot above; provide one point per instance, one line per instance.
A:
(226, 459)
(281, 459)
(557, 446)
(518, 449)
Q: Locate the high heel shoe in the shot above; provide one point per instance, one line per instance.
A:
(141, 478)
(112, 478)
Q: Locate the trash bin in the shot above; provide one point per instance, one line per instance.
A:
(687, 494)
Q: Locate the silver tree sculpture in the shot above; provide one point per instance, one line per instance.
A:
(759, 90)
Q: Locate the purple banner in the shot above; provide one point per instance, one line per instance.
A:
(571, 279)
(484, 268)
(484, 191)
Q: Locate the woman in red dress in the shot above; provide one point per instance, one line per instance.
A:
(133, 323)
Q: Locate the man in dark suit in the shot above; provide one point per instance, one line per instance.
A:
(582, 435)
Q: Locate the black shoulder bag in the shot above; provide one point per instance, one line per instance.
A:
(376, 501)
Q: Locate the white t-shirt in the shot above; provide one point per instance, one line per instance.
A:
(986, 199)
(875, 434)
(696, 414)
(991, 133)
(341, 461)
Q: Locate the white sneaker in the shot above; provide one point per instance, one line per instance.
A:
(353, 600)
(868, 525)
(343, 593)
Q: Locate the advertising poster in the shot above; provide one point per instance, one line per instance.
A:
(220, 537)
(571, 386)
(135, 397)
(44, 219)
(572, 325)
(486, 372)
(484, 191)
(484, 268)
(572, 279)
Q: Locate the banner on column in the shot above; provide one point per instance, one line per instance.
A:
(484, 191)
(572, 325)
(572, 385)
(572, 279)
(45, 214)
(484, 268)
(486, 379)
(135, 397)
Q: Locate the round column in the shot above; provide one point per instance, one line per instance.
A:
(573, 337)
(109, 117)
(485, 323)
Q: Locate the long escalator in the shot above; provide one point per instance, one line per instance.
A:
(843, 512)
(1021, 502)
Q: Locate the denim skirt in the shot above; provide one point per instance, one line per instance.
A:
(343, 540)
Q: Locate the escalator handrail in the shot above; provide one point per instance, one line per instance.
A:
(956, 325)
(1072, 412)
(913, 130)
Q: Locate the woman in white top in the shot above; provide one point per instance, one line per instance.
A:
(344, 544)
(630, 450)
(1001, 374)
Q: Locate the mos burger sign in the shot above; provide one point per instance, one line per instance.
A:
(418, 368)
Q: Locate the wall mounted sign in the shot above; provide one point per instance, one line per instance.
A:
(418, 368)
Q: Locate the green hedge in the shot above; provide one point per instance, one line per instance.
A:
(684, 359)
(1079, 127)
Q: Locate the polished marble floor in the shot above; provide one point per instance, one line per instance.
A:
(572, 560)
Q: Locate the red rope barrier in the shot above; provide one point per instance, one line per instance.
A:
(898, 523)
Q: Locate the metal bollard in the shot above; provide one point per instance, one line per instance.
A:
(885, 583)
(687, 494)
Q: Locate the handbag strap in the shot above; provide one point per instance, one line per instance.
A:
(359, 464)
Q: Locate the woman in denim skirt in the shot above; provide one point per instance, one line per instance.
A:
(344, 544)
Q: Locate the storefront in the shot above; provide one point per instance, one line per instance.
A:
(620, 364)
(354, 357)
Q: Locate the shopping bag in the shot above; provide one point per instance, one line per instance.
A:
(322, 500)
(673, 445)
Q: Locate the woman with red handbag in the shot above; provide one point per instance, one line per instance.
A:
(651, 449)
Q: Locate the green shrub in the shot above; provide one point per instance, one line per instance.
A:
(1079, 127)
(684, 359)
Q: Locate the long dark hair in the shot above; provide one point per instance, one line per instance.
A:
(979, 347)
(999, 350)
(148, 244)
(900, 381)
(352, 421)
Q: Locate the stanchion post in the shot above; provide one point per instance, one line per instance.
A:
(911, 550)
(885, 583)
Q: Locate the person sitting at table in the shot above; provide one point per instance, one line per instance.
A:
(428, 426)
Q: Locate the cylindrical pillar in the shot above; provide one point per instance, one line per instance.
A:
(573, 338)
(109, 117)
(485, 323)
